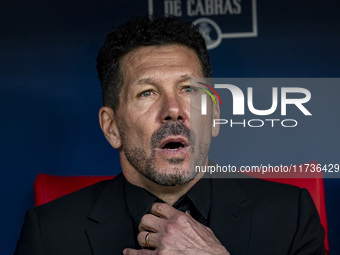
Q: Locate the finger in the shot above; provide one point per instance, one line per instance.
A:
(150, 223)
(147, 239)
(187, 212)
(164, 210)
(129, 251)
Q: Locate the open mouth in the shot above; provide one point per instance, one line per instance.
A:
(173, 146)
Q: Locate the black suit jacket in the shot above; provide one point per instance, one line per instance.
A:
(248, 216)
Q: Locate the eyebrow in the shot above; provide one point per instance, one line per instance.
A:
(152, 81)
(146, 81)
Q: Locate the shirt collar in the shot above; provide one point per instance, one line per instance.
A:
(139, 200)
(200, 196)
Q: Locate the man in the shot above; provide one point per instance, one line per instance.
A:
(159, 204)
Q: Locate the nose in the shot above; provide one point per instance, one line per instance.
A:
(172, 109)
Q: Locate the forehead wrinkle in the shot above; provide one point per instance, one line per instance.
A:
(153, 80)
(145, 60)
(142, 55)
(145, 53)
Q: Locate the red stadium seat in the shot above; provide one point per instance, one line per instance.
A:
(49, 187)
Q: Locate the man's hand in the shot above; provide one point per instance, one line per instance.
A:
(174, 232)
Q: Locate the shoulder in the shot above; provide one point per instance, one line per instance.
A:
(79, 203)
(277, 212)
(55, 227)
(263, 193)
(253, 187)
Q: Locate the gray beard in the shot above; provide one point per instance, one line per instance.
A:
(139, 159)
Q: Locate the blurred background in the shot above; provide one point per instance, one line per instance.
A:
(50, 94)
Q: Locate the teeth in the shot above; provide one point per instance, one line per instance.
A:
(173, 149)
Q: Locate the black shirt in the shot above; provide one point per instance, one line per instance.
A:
(197, 200)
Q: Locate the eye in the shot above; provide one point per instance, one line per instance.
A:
(188, 89)
(146, 93)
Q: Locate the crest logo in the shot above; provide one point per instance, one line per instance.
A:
(215, 19)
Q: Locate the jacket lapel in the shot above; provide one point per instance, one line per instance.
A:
(114, 231)
(230, 219)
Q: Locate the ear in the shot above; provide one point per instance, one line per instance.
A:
(109, 127)
(215, 115)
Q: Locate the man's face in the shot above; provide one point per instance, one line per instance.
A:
(153, 118)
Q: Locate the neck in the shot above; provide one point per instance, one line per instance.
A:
(169, 194)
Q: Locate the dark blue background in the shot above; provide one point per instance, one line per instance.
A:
(50, 95)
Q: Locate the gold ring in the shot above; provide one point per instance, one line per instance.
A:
(147, 240)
